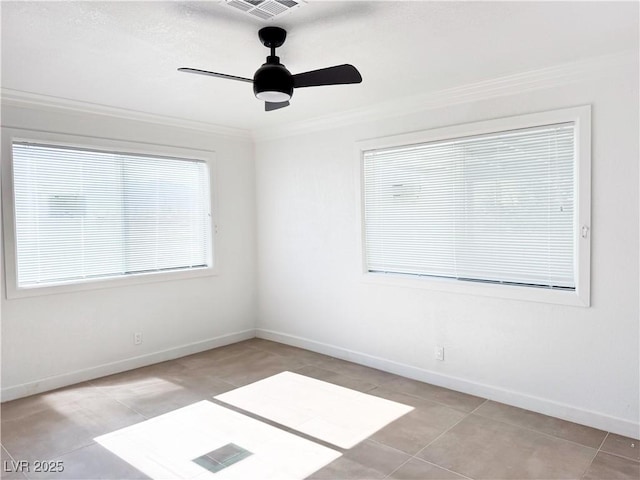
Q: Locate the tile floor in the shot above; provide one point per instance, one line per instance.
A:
(447, 435)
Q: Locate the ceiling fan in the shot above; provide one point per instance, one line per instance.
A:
(274, 84)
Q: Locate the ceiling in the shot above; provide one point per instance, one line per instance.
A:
(125, 54)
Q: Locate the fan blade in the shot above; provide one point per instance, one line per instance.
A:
(269, 106)
(338, 75)
(214, 74)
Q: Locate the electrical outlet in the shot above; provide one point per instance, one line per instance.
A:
(137, 338)
(438, 353)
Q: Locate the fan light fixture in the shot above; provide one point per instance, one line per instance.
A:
(273, 96)
(272, 82)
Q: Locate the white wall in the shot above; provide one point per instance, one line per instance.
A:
(573, 362)
(53, 340)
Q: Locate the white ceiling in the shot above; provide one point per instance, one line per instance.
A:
(125, 54)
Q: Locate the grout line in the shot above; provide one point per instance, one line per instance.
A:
(513, 425)
(612, 453)
(538, 432)
(602, 442)
(107, 395)
(447, 469)
(130, 408)
(431, 463)
(619, 456)
(448, 429)
(506, 422)
(24, 475)
(75, 449)
(474, 410)
(434, 440)
(594, 456)
(398, 467)
(377, 442)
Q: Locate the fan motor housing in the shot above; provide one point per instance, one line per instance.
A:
(272, 37)
(272, 82)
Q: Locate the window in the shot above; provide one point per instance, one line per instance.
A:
(82, 215)
(481, 204)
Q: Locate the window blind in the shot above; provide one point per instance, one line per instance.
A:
(495, 208)
(83, 214)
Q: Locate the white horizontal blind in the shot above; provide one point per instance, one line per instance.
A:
(495, 208)
(83, 214)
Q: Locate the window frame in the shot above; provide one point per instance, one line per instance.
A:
(581, 116)
(16, 135)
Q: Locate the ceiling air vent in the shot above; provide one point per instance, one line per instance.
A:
(265, 9)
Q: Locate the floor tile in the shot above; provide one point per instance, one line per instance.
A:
(22, 407)
(89, 463)
(417, 428)
(612, 467)
(353, 370)
(253, 365)
(624, 446)
(152, 396)
(587, 436)
(287, 351)
(201, 380)
(346, 469)
(159, 373)
(43, 436)
(482, 448)
(367, 460)
(416, 469)
(64, 427)
(380, 457)
(335, 378)
(451, 398)
(160, 388)
(211, 357)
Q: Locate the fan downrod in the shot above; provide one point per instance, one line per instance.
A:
(272, 37)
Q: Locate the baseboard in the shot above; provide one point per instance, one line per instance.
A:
(65, 379)
(509, 397)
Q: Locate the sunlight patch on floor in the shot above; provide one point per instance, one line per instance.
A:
(166, 447)
(331, 413)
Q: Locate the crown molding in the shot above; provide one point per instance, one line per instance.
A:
(19, 98)
(498, 87)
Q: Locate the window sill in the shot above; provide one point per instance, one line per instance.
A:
(450, 285)
(14, 292)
